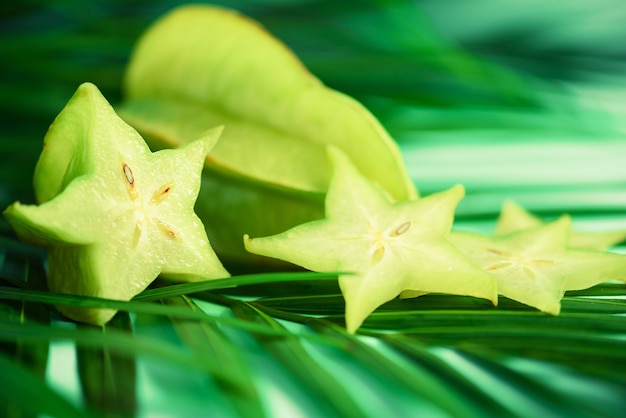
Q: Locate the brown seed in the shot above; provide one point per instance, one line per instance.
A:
(161, 194)
(128, 173)
(404, 228)
(166, 228)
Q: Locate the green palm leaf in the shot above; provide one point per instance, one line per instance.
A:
(24, 392)
(520, 100)
(334, 398)
(208, 340)
(107, 378)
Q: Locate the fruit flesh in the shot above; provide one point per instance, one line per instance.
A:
(118, 215)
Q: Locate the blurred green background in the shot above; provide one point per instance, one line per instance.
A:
(518, 97)
(514, 99)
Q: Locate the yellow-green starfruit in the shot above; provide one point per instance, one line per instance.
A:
(536, 266)
(387, 246)
(201, 66)
(112, 214)
(514, 218)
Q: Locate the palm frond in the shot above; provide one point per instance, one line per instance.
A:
(107, 378)
(208, 340)
(520, 100)
(24, 392)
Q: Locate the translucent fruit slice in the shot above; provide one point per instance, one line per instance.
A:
(202, 66)
(387, 246)
(112, 214)
(514, 217)
(536, 266)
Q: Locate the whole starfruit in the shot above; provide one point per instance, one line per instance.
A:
(202, 66)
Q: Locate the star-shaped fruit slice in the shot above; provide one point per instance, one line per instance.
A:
(112, 214)
(515, 218)
(535, 266)
(388, 246)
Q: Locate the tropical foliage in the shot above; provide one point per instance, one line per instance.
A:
(520, 100)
